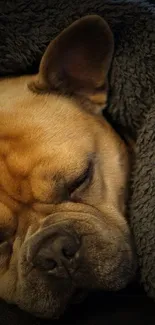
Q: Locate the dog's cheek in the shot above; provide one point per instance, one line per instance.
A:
(5, 256)
(107, 260)
(41, 297)
(8, 282)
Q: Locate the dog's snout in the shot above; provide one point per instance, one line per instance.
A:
(57, 255)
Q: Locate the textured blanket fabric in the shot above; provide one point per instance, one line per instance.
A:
(26, 27)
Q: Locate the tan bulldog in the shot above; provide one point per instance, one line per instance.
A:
(63, 178)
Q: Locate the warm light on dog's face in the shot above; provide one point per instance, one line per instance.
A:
(63, 178)
(77, 203)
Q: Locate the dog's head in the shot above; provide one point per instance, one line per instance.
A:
(63, 174)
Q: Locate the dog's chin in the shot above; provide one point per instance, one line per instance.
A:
(78, 297)
(44, 304)
(52, 308)
(47, 300)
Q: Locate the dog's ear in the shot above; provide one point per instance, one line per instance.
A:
(77, 62)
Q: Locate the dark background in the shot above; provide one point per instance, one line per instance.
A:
(129, 307)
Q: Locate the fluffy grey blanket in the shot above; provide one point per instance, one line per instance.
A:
(27, 26)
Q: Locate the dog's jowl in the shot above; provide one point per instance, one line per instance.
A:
(63, 175)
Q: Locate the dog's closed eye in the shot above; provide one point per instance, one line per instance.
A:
(82, 180)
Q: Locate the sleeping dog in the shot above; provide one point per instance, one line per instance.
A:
(63, 177)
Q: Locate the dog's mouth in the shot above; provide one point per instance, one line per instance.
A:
(78, 296)
(72, 254)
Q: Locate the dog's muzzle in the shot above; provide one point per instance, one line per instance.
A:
(55, 252)
(82, 247)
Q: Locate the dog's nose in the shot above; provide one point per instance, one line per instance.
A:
(58, 255)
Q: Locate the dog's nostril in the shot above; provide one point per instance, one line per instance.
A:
(70, 247)
(45, 263)
(69, 253)
(49, 264)
(57, 253)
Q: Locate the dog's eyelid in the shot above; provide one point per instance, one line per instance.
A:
(86, 175)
